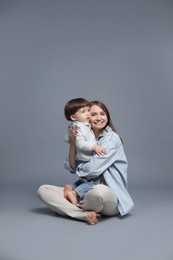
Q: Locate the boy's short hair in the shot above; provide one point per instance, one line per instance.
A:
(73, 105)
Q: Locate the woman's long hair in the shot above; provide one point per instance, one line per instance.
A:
(104, 108)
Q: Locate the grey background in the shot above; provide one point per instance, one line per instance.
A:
(119, 52)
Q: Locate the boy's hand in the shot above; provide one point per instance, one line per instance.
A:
(99, 150)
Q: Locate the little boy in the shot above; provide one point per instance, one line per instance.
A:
(78, 112)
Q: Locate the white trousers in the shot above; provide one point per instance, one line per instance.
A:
(99, 199)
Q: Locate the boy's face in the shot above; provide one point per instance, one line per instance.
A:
(82, 115)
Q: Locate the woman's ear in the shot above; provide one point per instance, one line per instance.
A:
(73, 118)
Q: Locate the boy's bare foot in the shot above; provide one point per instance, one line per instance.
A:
(72, 197)
(67, 188)
(92, 218)
(70, 194)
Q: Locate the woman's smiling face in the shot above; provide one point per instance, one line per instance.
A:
(98, 119)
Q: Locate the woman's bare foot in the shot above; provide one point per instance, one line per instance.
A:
(92, 218)
(70, 194)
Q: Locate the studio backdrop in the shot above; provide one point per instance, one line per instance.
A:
(119, 52)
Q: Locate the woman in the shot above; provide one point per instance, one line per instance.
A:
(111, 196)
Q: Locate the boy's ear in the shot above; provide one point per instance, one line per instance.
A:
(72, 117)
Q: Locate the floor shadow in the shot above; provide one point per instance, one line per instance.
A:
(49, 212)
(128, 215)
(44, 211)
